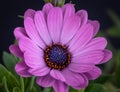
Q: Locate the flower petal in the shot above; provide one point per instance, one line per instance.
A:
(98, 43)
(96, 26)
(80, 68)
(57, 75)
(59, 86)
(39, 71)
(72, 78)
(32, 32)
(107, 56)
(76, 37)
(83, 39)
(22, 69)
(90, 57)
(46, 8)
(19, 33)
(34, 60)
(41, 26)
(29, 13)
(54, 21)
(45, 81)
(68, 10)
(70, 28)
(14, 49)
(85, 84)
(27, 45)
(83, 16)
(94, 73)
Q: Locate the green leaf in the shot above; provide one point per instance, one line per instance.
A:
(4, 81)
(117, 72)
(10, 61)
(29, 84)
(16, 89)
(46, 90)
(101, 33)
(110, 87)
(11, 80)
(38, 88)
(1, 87)
(95, 88)
(82, 90)
(74, 90)
(34, 90)
(113, 32)
(103, 78)
(114, 18)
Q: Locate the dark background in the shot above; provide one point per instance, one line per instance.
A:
(10, 9)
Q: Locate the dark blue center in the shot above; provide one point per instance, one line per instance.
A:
(58, 55)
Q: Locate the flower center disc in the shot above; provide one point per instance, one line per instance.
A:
(57, 56)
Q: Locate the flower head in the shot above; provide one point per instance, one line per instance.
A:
(59, 47)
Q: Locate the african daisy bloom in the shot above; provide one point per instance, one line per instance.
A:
(59, 47)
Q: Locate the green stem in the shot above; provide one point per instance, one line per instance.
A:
(20, 16)
(32, 83)
(5, 84)
(81, 90)
(22, 84)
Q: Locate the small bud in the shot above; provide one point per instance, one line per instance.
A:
(61, 2)
(56, 2)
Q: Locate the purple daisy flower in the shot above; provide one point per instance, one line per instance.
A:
(59, 47)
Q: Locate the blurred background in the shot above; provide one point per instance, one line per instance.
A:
(10, 9)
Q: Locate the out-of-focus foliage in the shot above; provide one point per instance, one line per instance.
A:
(115, 30)
(109, 81)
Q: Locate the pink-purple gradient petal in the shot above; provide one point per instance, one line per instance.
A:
(15, 50)
(83, 16)
(85, 37)
(107, 56)
(63, 26)
(22, 69)
(46, 8)
(60, 86)
(80, 68)
(68, 10)
(90, 57)
(54, 21)
(45, 81)
(39, 71)
(96, 25)
(70, 28)
(94, 73)
(57, 75)
(32, 32)
(19, 33)
(76, 79)
(29, 13)
(41, 26)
